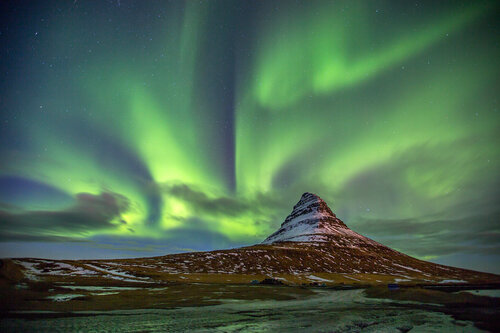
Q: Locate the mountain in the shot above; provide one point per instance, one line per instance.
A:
(312, 245)
(311, 220)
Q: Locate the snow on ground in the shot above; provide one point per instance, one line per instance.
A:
(105, 293)
(74, 270)
(316, 278)
(57, 268)
(99, 288)
(452, 281)
(484, 292)
(63, 297)
(116, 277)
(279, 278)
(118, 274)
(409, 268)
(30, 271)
(348, 277)
(401, 280)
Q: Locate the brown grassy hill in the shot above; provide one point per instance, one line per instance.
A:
(312, 245)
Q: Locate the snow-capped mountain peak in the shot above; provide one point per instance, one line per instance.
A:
(311, 220)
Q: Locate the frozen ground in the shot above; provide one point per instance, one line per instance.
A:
(328, 311)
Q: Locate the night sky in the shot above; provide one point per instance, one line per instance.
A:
(140, 128)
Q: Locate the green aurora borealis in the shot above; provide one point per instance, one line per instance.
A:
(135, 128)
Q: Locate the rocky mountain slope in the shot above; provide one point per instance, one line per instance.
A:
(312, 245)
(311, 220)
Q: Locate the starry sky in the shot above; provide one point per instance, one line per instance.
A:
(140, 128)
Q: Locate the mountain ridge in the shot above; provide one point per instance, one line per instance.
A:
(311, 245)
(312, 220)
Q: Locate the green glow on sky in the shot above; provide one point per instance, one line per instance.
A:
(319, 53)
(210, 119)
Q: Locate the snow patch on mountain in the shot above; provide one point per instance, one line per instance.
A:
(311, 220)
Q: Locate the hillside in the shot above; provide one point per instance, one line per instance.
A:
(312, 245)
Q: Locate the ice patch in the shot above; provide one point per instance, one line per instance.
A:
(99, 288)
(63, 297)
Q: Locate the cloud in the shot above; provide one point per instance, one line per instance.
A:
(259, 205)
(200, 201)
(423, 237)
(428, 201)
(193, 235)
(89, 213)
(196, 235)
